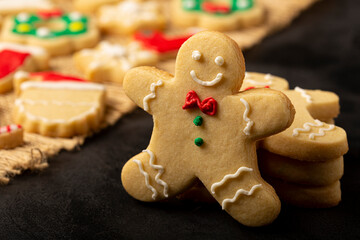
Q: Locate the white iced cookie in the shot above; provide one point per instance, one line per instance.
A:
(109, 62)
(129, 16)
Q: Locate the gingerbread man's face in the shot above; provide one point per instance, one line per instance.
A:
(212, 66)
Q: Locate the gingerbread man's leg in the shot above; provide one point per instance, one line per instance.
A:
(243, 193)
(146, 178)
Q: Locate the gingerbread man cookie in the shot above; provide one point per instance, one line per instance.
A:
(216, 14)
(204, 128)
(58, 106)
(309, 138)
(11, 136)
(109, 62)
(58, 33)
(308, 156)
(129, 16)
(14, 57)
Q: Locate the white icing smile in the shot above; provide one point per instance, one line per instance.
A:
(205, 83)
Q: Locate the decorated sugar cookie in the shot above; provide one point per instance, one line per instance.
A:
(58, 106)
(219, 15)
(11, 136)
(90, 6)
(58, 33)
(129, 16)
(204, 128)
(259, 80)
(307, 158)
(159, 42)
(110, 62)
(309, 137)
(14, 57)
(17, 6)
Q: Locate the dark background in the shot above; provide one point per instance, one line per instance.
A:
(81, 197)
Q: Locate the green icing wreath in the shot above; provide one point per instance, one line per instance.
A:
(26, 24)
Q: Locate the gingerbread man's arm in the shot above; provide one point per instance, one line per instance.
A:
(260, 112)
(141, 83)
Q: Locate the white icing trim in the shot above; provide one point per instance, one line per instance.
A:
(62, 85)
(33, 50)
(304, 94)
(4, 129)
(160, 172)
(21, 74)
(196, 55)
(238, 193)
(249, 122)
(152, 95)
(219, 60)
(267, 77)
(43, 32)
(229, 176)
(22, 17)
(55, 102)
(20, 104)
(205, 83)
(146, 175)
(75, 16)
(321, 132)
(307, 128)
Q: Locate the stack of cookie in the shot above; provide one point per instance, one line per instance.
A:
(304, 163)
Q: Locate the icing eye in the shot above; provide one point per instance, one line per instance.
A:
(196, 55)
(219, 60)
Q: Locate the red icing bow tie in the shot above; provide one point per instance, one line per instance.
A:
(207, 106)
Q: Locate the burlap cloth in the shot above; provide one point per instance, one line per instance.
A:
(36, 150)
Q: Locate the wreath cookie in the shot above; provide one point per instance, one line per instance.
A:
(58, 33)
(217, 15)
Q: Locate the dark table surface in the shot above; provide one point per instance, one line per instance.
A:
(81, 197)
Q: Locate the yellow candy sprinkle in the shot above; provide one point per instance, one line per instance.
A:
(23, 27)
(76, 26)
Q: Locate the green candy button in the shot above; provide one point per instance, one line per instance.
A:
(199, 142)
(198, 121)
